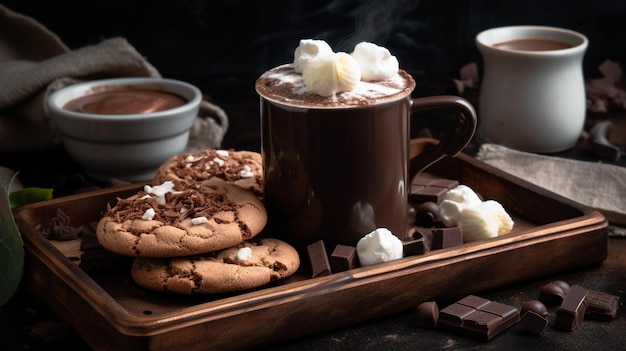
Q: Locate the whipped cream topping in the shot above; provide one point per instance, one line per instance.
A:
(376, 62)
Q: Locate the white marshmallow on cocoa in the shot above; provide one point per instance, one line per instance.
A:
(330, 74)
(376, 62)
(307, 50)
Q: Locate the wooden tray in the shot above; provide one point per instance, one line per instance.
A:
(551, 235)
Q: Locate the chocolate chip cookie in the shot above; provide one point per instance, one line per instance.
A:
(166, 221)
(248, 265)
(242, 168)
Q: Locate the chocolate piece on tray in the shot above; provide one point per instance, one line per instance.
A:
(426, 234)
(425, 188)
(320, 266)
(478, 317)
(601, 306)
(414, 247)
(572, 311)
(427, 213)
(422, 194)
(343, 258)
(446, 237)
(534, 322)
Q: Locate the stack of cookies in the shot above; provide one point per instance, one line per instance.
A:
(194, 229)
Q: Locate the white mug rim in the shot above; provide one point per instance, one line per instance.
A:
(488, 38)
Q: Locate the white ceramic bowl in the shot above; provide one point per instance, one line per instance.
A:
(129, 146)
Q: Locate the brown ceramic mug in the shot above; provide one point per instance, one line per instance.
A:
(336, 170)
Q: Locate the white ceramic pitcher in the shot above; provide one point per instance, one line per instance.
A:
(532, 99)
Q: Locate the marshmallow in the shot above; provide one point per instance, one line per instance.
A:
(454, 201)
(160, 190)
(485, 220)
(307, 50)
(149, 214)
(376, 62)
(332, 73)
(244, 254)
(378, 246)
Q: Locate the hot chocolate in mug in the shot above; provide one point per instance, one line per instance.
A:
(532, 95)
(337, 169)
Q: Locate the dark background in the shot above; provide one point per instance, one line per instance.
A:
(194, 40)
(223, 46)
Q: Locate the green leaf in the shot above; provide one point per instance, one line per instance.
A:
(11, 249)
(28, 196)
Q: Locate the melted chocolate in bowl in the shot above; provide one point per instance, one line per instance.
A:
(125, 102)
(335, 168)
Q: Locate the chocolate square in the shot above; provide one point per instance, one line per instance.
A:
(318, 259)
(534, 322)
(572, 311)
(601, 306)
(343, 258)
(478, 317)
(446, 237)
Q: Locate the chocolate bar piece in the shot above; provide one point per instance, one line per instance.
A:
(601, 306)
(343, 258)
(413, 247)
(424, 188)
(478, 317)
(534, 322)
(318, 259)
(446, 237)
(572, 311)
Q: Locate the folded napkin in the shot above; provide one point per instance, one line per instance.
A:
(34, 62)
(596, 185)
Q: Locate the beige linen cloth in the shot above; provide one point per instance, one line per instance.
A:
(596, 185)
(34, 62)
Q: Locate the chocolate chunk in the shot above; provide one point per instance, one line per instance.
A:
(427, 213)
(413, 247)
(534, 322)
(572, 311)
(421, 194)
(343, 258)
(426, 315)
(601, 306)
(444, 183)
(426, 234)
(446, 237)
(534, 306)
(553, 293)
(426, 188)
(478, 317)
(318, 259)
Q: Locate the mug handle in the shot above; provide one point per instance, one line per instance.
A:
(448, 146)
